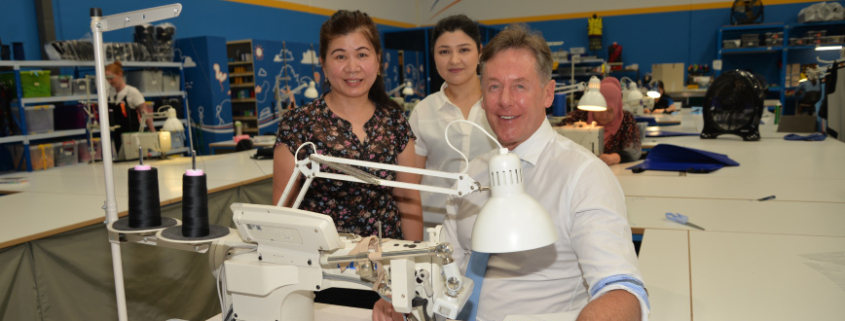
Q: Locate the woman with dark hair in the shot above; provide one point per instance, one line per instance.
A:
(354, 119)
(456, 48)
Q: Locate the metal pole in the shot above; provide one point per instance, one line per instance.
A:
(105, 138)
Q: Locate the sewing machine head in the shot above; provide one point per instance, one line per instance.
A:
(299, 252)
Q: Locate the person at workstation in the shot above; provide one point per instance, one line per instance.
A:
(354, 119)
(125, 104)
(808, 93)
(592, 267)
(621, 134)
(456, 51)
(663, 104)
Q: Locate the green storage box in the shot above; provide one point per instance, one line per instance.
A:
(36, 83)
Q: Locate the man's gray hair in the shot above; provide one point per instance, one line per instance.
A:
(519, 36)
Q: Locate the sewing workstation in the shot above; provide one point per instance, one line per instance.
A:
(172, 207)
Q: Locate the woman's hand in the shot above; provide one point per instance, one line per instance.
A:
(383, 311)
(610, 159)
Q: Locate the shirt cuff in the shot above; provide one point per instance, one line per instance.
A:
(627, 283)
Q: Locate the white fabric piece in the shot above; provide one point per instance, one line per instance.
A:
(584, 200)
(133, 96)
(428, 121)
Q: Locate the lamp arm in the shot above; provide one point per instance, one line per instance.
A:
(581, 86)
(310, 168)
(395, 90)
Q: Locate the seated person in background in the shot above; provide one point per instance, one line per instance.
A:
(664, 103)
(592, 267)
(621, 135)
(808, 93)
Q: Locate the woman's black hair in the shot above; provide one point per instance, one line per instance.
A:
(660, 85)
(344, 22)
(453, 23)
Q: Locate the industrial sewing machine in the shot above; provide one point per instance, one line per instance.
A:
(591, 136)
(299, 252)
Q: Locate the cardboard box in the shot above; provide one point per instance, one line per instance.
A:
(672, 75)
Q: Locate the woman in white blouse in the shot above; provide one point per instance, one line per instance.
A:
(456, 48)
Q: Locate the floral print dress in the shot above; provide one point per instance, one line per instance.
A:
(354, 207)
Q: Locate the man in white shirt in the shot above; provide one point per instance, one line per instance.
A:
(592, 267)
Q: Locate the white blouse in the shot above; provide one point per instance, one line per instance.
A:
(428, 121)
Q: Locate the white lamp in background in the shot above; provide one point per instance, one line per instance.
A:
(311, 92)
(653, 92)
(592, 99)
(172, 124)
(409, 89)
(826, 48)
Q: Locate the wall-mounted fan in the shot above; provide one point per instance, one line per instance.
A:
(734, 105)
(745, 12)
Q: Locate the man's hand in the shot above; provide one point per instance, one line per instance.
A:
(383, 311)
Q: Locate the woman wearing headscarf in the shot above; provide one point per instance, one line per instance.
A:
(621, 135)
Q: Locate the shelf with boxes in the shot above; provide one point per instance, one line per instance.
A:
(242, 83)
(791, 45)
(46, 107)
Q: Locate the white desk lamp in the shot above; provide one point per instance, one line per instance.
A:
(653, 92)
(593, 99)
(310, 91)
(407, 89)
(568, 89)
(510, 221)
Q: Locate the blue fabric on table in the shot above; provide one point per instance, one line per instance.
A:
(646, 119)
(666, 157)
(810, 137)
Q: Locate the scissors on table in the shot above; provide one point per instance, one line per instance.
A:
(682, 219)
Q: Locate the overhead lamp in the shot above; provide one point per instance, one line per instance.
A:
(826, 48)
(311, 92)
(653, 92)
(172, 124)
(593, 99)
(409, 89)
(634, 94)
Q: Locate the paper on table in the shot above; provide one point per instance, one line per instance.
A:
(829, 264)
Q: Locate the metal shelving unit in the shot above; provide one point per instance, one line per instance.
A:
(25, 138)
(783, 49)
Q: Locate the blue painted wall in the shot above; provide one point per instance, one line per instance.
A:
(17, 24)
(689, 37)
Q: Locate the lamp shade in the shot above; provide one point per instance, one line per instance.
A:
(172, 124)
(510, 221)
(409, 89)
(592, 99)
(634, 94)
(311, 92)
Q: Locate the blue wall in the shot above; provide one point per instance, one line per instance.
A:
(17, 24)
(686, 36)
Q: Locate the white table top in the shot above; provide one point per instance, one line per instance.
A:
(743, 216)
(65, 198)
(664, 263)
(768, 158)
(742, 276)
